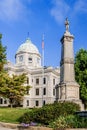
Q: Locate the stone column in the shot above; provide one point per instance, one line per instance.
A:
(69, 88)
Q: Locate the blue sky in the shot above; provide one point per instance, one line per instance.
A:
(18, 17)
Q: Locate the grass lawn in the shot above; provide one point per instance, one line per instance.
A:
(11, 115)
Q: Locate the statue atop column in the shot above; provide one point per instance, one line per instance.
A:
(67, 25)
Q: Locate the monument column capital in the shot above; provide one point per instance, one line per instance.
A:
(67, 37)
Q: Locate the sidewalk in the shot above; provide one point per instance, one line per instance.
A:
(8, 126)
(4, 128)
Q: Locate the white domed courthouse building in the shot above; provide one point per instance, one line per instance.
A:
(42, 79)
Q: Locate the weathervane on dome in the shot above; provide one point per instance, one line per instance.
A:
(67, 25)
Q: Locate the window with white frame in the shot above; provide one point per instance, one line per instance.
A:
(53, 81)
(37, 103)
(53, 91)
(37, 91)
(27, 102)
(44, 91)
(44, 80)
(37, 81)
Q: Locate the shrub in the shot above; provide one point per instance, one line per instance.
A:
(82, 122)
(60, 123)
(71, 121)
(49, 113)
(27, 117)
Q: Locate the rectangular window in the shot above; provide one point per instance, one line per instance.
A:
(27, 80)
(37, 91)
(1, 101)
(44, 91)
(37, 81)
(27, 102)
(37, 103)
(27, 90)
(5, 101)
(44, 102)
(53, 91)
(53, 81)
(44, 80)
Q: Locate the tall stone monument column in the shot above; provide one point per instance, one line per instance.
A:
(68, 87)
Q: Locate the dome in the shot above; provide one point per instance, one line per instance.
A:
(28, 46)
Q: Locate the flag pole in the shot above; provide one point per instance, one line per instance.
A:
(43, 50)
(42, 65)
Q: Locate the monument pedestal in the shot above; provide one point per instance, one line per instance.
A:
(70, 92)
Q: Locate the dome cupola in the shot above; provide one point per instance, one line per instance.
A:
(28, 55)
(28, 47)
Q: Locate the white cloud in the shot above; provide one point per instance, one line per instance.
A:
(60, 10)
(11, 9)
(80, 6)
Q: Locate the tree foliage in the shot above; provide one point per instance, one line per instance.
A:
(2, 54)
(81, 73)
(13, 87)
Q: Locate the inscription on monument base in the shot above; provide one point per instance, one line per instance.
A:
(72, 92)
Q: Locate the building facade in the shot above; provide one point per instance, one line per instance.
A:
(43, 80)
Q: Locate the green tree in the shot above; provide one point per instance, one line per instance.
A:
(2, 54)
(2, 62)
(81, 73)
(13, 88)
